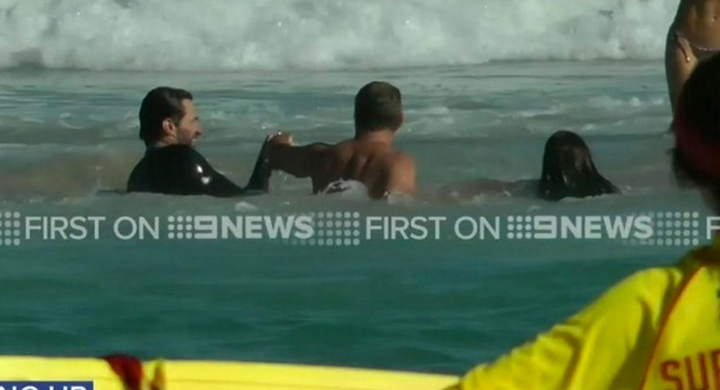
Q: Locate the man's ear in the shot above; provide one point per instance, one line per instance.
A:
(169, 128)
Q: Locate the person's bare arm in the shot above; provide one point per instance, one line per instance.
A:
(402, 176)
(299, 161)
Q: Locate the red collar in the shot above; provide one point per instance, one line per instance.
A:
(702, 155)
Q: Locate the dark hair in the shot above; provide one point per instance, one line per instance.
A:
(699, 108)
(568, 170)
(158, 105)
(378, 105)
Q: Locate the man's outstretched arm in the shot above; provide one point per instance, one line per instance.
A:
(200, 178)
(210, 182)
(299, 161)
(260, 178)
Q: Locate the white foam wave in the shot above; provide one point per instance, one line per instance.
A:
(222, 35)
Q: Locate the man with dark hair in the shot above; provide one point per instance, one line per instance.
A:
(369, 157)
(169, 126)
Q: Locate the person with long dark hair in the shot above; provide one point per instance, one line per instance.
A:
(568, 171)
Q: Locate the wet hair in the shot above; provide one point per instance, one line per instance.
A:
(158, 105)
(378, 105)
(568, 170)
(699, 110)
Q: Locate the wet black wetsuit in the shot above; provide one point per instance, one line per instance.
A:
(181, 170)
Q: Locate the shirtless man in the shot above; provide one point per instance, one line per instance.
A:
(369, 157)
(693, 37)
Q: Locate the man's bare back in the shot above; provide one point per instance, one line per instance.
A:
(373, 162)
(377, 165)
(369, 157)
(693, 37)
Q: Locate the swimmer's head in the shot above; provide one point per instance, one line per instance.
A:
(378, 106)
(168, 116)
(696, 157)
(568, 169)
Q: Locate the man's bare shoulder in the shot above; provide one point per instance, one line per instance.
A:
(348, 144)
(380, 156)
(344, 150)
(402, 164)
(402, 159)
(401, 174)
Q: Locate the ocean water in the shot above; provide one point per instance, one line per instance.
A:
(484, 83)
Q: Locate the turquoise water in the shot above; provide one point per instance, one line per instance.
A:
(475, 108)
(428, 307)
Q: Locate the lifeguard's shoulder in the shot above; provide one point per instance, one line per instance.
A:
(652, 288)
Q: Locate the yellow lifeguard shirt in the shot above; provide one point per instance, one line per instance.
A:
(658, 329)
